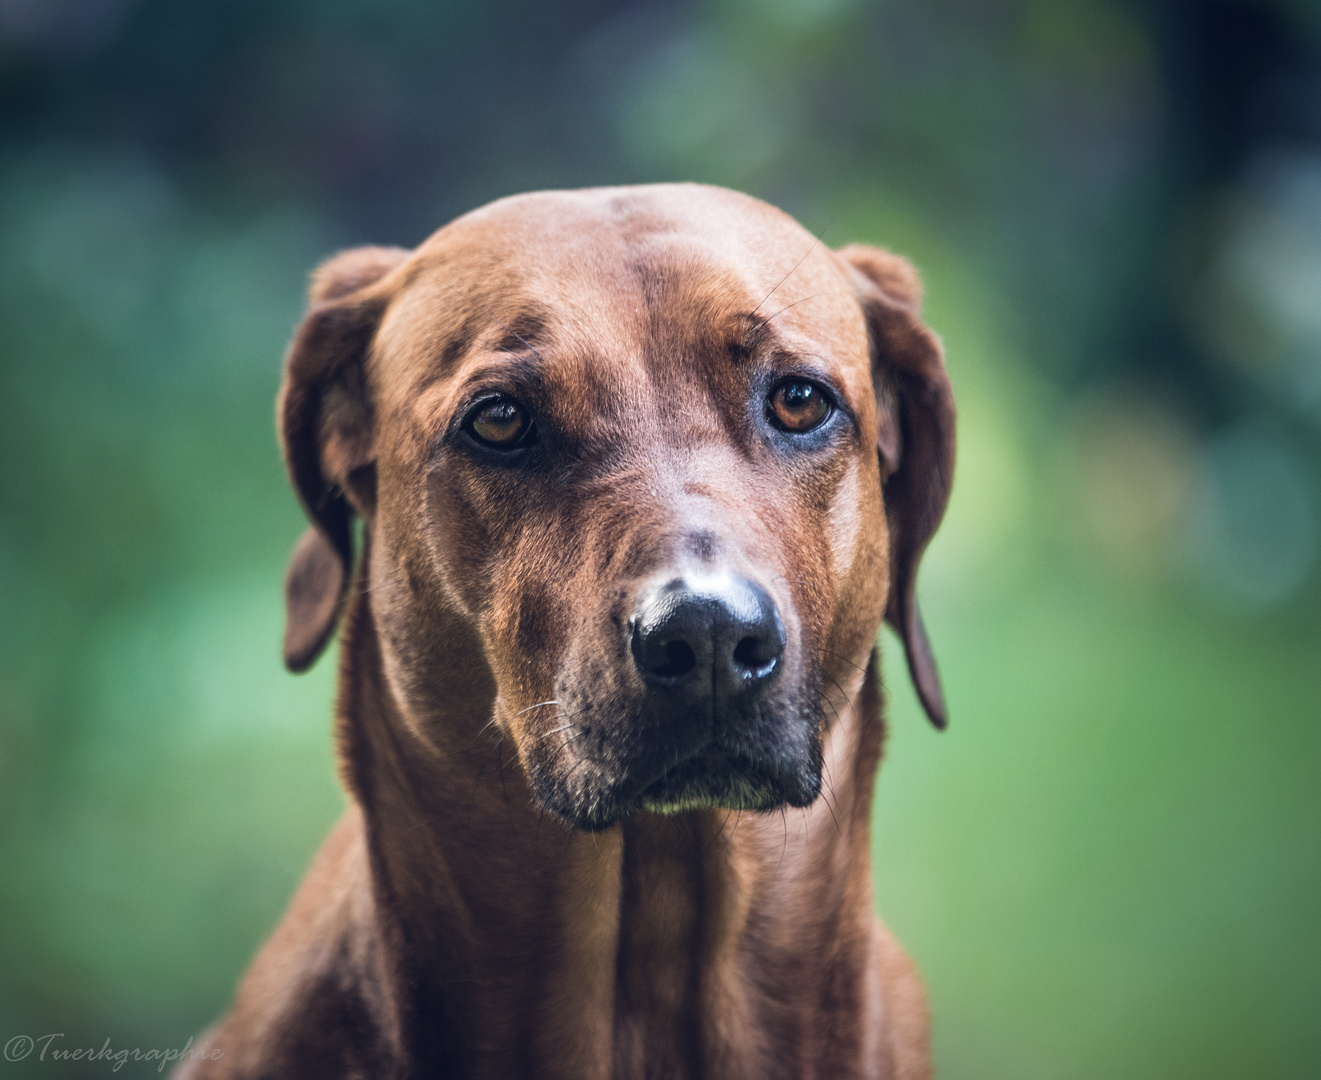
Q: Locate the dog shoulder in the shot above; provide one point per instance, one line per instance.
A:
(904, 1024)
(306, 1007)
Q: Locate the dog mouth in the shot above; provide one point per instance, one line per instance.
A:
(756, 772)
(710, 775)
(710, 778)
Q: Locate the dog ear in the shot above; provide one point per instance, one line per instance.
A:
(325, 421)
(915, 442)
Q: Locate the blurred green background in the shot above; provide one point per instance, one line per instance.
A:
(1110, 866)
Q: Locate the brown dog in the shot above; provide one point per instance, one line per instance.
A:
(639, 472)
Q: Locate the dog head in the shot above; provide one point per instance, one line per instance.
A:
(652, 460)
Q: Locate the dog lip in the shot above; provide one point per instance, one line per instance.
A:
(711, 774)
(709, 760)
(656, 775)
(719, 757)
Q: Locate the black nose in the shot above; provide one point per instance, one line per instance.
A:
(711, 636)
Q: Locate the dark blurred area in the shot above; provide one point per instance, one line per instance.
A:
(1108, 867)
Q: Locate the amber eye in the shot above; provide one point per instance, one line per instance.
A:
(799, 406)
(500, 422)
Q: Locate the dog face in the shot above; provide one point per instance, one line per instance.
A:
(655, 451)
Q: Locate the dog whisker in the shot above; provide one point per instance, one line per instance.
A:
(493, 722)
(829, 790)
(791, 273)
(834, 711)
(830, 787)
(363, 590)
(841, 656)
(538, 705)
(784, 846)
(531, 348)
(791, 581)
(496, 751)
(843, 693)
(786, 307)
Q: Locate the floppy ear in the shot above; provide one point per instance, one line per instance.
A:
(915, 442)
(325, 421)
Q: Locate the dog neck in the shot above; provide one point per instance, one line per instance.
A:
(501, 937)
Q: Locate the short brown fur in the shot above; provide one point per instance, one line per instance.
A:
(493, 904)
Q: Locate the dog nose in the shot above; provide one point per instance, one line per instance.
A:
(715, 636)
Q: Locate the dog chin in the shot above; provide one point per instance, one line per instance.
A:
(728, 783)
(702, 782)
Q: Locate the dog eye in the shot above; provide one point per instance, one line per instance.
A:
(799, 406)
(500, 422)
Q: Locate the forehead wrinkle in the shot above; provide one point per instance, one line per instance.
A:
(594, 344)
(692, 306)
(601, 397)
(770, 264)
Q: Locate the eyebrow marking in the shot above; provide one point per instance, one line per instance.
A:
(514, 333)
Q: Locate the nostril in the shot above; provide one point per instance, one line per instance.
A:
(717, 637)
(747, 653)
(679, 660)
(754, 653)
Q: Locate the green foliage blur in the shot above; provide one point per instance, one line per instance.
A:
(1108, 866)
